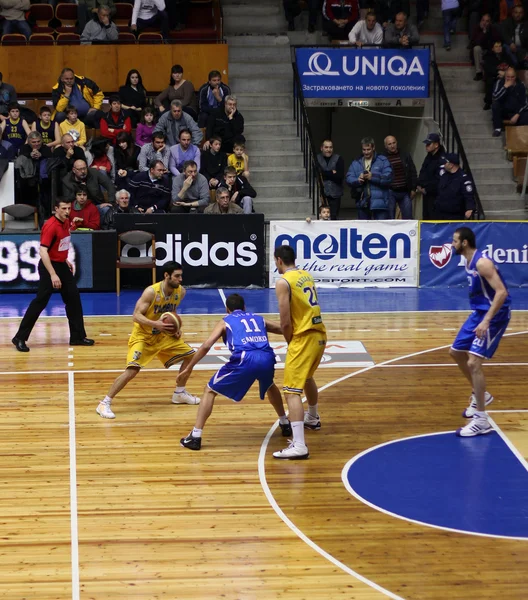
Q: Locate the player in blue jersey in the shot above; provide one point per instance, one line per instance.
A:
(480, 335)
(252, 358)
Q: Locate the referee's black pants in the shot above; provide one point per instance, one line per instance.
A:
(70, 296)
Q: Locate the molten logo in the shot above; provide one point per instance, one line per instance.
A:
(440, 255)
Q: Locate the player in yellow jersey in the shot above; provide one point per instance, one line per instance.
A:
(148, 338)
(303, 329)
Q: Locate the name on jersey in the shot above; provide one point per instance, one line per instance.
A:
(254, 339)
(302, 280)
(163, 308)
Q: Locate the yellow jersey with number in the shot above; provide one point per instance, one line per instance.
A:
(158, 306)
(304, 305)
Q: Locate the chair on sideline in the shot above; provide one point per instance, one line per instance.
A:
(136, 238)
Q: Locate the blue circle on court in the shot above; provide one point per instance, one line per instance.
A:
(472, 485)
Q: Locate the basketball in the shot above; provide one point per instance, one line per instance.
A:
(170, 317)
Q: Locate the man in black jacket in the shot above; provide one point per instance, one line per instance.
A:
(514, 36)
(404, 181)
(68, 152)
(121, 207)
(211, 96)
(496, 63)
(240, 190)
(226, 123)
(213, 162)
(333, 173)
(509, 102)
(455, 200)
(430, 173)
(92, 180)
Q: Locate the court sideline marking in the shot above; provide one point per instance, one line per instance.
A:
(73, 489)
(280, 513)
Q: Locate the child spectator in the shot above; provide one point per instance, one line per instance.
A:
(74, 126)
(101, 161)
(84, 214)
(213, 162)
(145, 127)
(239, 159)
(115, 121)
(15, 129)
(48, 128)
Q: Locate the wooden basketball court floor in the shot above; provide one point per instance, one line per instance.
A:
(99, 510)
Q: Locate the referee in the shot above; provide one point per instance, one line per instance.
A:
(55, 274)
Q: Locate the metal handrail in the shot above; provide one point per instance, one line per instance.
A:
(443, 116)
(314, 176)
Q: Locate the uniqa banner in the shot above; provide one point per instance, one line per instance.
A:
(350, 253)
(363, 73)
(506, 243)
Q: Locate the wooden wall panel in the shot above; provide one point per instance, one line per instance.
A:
(36, 73)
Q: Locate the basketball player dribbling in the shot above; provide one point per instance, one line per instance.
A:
(148, 340)
(480, 335)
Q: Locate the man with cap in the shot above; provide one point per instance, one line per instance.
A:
(429, 173)
(455, 200)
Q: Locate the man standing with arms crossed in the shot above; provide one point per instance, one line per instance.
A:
(303, 329)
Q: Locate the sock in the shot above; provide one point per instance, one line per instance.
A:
(180, 390)
(107, 400)
(481, 414)
(312, 410)
(197, 433)
(283, 420)
(298, 432)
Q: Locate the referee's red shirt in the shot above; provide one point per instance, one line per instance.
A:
(55, 236)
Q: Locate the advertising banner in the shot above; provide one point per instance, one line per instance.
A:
(505, 242)
(351, 253)
(346, 72)
(214, 250)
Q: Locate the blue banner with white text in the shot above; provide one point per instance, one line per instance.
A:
(505, 243)
(363, 73)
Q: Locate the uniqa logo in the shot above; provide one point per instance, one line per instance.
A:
(320, 63)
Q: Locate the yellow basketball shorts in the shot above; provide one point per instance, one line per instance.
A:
(302, 359)
(168, 349)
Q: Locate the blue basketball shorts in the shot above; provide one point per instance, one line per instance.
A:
(234, 379)
(467, 341)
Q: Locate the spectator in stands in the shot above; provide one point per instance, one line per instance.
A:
(324, 213)
(121, 207)
(509, 102)
(173, 120)
(189, 189)
(150, 189)
(368, 31)
(429, 173)
(68, 152)
(514, 36)
(14, 129)
(133, 97)
(74, 126)
(455, 199)
(223, 204)
(145, 127)
(157, 150)
(126, 158)
(14, 14)
(8, 96)
(386, 10)
(481, 42)
(183, 152)
(339, 16)
(35, 187)
(213, 162)
(226, 123)
(179, 89)
(86, 9)
(211, 96)
(292, 9)
(90, 179)
(240, 189)
(401, 33)
(101, 157)
(47, 127)
(150, 13)
(333, 172)
(84, 214)
(239, 159)
(78, 91)
(178, 11)
(370, 178)
(115, 121)
(450, 9)
(100, 28)
(404, 180)
(496, 64)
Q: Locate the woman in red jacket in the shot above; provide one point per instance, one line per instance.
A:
(115, 121)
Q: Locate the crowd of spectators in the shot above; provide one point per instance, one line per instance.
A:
(150, 147)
